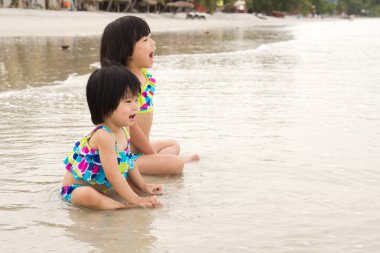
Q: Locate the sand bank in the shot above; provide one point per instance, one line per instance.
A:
(23, 22)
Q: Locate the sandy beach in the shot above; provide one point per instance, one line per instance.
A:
(23, 22)
(284, 112)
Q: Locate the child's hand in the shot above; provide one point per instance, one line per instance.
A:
(154, 189)
(155, 202)
(151, 202)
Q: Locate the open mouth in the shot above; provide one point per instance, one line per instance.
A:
(132, 116)
(151, 55)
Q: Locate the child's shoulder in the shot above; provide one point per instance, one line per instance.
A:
(101, 130)
(101, 135)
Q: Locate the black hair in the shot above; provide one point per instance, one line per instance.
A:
(119, 39)
(106, 87)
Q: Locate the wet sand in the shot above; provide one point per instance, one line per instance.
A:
(21, 22)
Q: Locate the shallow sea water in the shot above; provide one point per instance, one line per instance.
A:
(286, 120)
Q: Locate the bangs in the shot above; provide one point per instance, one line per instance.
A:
(133, 90)
(140, 29)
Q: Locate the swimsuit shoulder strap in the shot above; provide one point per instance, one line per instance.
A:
(105, 128)
(144, 71)
(126, 132)
(149, 78)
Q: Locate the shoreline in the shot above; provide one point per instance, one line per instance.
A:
(28, 22)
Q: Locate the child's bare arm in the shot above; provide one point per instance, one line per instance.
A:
(141, 185)
(106, 146)
(139, 139)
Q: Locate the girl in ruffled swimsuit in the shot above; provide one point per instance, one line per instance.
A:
(103, 160)
(127, 41)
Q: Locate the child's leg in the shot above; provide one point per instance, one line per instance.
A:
(87, 196)
(160, 164)
(172, 147)
(166, 147)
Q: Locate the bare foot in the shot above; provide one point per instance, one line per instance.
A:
(191, 158)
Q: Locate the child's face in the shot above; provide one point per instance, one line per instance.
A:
(143, 53)
(125, 113)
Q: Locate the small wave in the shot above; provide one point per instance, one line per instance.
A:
(270, 46)
(72, 80)
(14, 207)
(13, 228)
(95, 65)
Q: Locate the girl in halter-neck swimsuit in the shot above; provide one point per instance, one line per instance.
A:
(102, 160)
(127, 41)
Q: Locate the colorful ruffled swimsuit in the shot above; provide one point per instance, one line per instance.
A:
(147, 92)
(146, 99)
(83, 162)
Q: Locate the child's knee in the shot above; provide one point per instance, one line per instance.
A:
(177, 165)
(175, 145)
(85, 196)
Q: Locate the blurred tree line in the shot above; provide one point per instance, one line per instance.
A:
(304, 7)
(350, 7)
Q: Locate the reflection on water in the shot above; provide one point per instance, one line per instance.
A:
(217, 40)
(120, 231)
(41, 61)
(286, 121)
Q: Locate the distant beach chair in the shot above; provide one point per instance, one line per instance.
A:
(278, 14)
(195, 15)
(260, 16)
